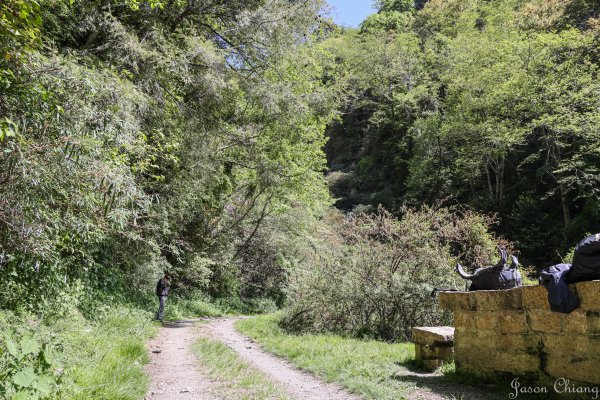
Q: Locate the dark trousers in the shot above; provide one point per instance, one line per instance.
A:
(161, 307)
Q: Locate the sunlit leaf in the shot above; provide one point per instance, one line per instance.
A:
(12, 348)
(29, 346)
(25, 377)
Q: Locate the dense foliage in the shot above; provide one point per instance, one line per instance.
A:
(494, 104)
(373, 275)
(141, 137)
(75, 358)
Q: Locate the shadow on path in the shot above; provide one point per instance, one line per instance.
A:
(442, 384)
(439, 384)
(182, 323)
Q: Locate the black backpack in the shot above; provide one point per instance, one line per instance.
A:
(496, 277)
(586, 260)
(161, 288)
(560, 297)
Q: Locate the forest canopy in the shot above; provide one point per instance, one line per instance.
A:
(490, 104)
(140, 137)
(210, 138)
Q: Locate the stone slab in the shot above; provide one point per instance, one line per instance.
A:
(534, 298)
(484, 362)
(546, 321)
(496, 300)
(573, 344)
(464, 319)
(433, 335)
(425, 352)
(488, 341)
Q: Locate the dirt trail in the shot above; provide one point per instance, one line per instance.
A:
(174, 369)
(175, 372)
(299, 385)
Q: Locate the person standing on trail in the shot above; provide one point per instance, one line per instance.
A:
(162, 291)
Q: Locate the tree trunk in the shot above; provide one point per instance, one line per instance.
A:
(565, 205)
(489, 181)
(563, 191)
(500, 199)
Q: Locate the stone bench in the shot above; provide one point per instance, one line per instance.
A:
(433, 346)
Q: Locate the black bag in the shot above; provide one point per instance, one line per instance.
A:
(586, 260)
(560, 297)
(497, 277)
(162, 288)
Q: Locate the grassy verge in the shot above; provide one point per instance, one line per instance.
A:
(377, 370)
(91, 360)
(238, 379)
(182, 308)
(365, 367)
(178, 308)
(104, 359)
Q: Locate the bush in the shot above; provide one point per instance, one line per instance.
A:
(193, 306)
(235, 305)
(28, 361)
(378, 276)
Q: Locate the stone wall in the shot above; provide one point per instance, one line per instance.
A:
(514, 332)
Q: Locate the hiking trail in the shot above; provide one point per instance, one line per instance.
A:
(176, 373)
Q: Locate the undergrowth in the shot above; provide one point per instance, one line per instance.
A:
(181, 308)
(72, 357)
(201, 306)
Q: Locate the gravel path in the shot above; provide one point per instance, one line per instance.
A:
(173, 368)
(299, 385)
(175, 372)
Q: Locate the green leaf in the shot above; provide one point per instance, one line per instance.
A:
(48, 354)
(22, 395)
(25, 377)
(29, 346)
(44, 385)
(12, 348)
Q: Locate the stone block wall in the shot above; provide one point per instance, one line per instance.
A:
(514, 332)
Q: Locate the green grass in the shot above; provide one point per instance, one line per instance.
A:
(178, 308)
(237, 378)
(96, 360)
(370, 368)
(104, 359)
(365, 367)
(182, 308)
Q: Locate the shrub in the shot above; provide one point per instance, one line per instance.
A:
(28, 362)
(192, 306)
(378, 276)
(235, 305)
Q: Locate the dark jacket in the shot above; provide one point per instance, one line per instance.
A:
(586, 260)
(561, 299)
(162, 287)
